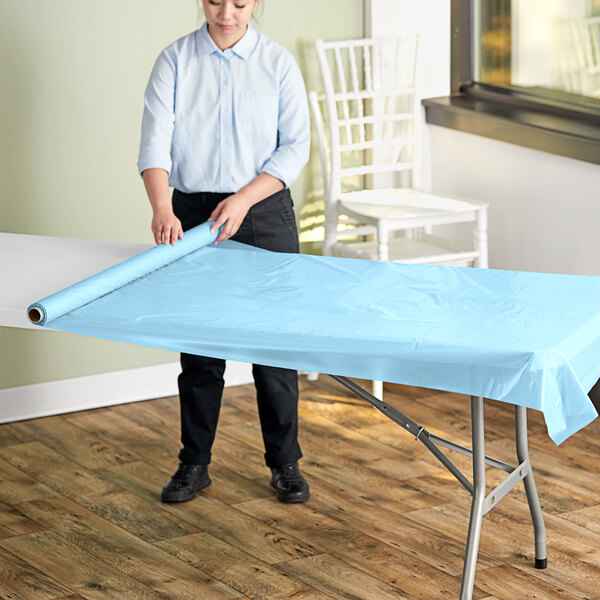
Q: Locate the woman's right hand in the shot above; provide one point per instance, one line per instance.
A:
(166, 227)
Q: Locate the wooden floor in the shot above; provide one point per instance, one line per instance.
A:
(80, 515)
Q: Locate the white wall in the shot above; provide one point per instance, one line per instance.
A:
(544, 208)
(431, 20)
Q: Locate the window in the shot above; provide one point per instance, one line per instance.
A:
(552, 44)
(526, 72)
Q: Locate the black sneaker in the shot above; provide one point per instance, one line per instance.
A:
(184, 484)
(289, 483)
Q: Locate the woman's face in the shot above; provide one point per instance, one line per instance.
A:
(227, 19)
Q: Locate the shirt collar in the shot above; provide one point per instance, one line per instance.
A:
(242, 48)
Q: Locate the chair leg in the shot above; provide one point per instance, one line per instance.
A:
(382, 241)
(539, 528)
(476, 519)
(378, 389)
(481, 238)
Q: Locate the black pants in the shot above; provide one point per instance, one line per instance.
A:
(271, 225)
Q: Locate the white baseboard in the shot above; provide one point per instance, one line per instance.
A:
(104, 389)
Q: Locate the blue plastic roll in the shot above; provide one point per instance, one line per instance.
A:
(111, 279)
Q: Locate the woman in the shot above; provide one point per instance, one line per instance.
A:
(226, 125)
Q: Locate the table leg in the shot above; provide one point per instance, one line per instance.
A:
(533, 500)
(477, 425)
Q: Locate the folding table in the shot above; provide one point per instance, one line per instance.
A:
(529, 339)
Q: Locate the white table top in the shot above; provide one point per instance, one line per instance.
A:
(35, 266)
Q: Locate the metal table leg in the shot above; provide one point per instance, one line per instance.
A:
(533, 500)
(468, 578)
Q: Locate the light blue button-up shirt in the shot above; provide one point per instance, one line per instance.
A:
(214, 119)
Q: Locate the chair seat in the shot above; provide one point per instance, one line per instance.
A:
(406, 205)
(427, 250)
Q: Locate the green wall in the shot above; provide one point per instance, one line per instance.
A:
(72, 78)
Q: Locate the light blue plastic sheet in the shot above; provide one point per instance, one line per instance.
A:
(529, 339)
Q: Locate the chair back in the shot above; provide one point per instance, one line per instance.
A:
(316, 103)
(371, 106)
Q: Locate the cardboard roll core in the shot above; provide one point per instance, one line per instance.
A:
(35, 316)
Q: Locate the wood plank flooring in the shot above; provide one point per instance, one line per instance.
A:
(81, 519)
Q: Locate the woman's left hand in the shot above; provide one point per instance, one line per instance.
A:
(231, 211)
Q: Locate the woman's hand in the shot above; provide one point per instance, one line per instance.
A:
(231, 212)
(166, 227)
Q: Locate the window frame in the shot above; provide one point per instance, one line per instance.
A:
(540, 118)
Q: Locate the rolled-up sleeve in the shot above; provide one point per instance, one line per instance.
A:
(158, 119)
(293, 128)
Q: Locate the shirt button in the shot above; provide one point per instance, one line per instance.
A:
(226, 109)
(226, 81)
(226, 170)
(226, 140)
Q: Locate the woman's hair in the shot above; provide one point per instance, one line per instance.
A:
(257, 12)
